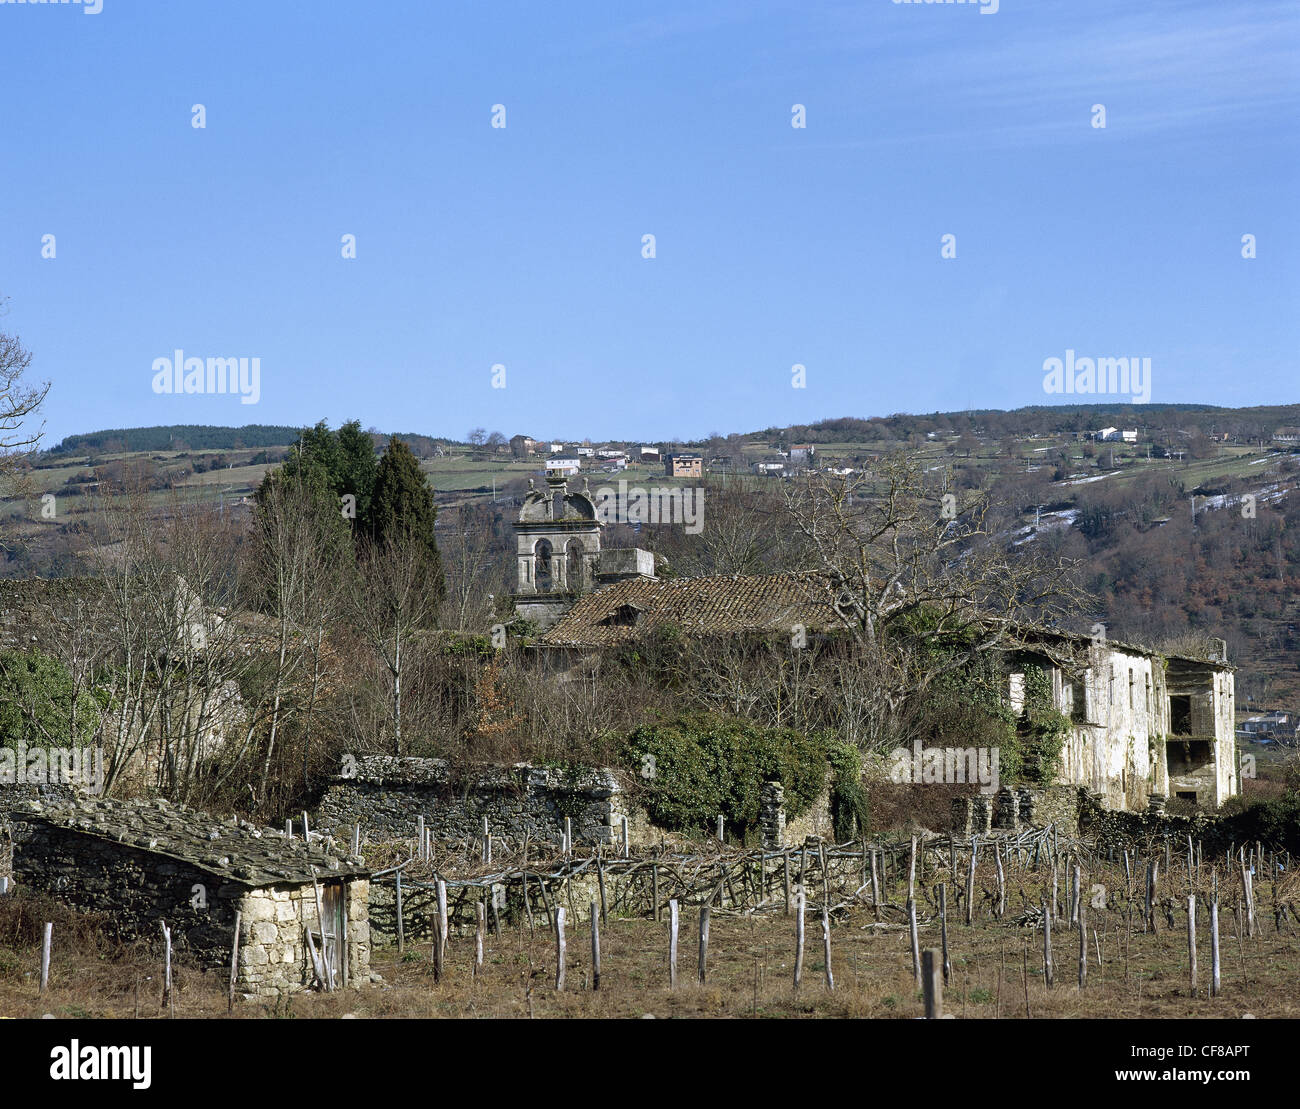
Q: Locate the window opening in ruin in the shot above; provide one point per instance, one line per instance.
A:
(542, 571)
(1180, 714)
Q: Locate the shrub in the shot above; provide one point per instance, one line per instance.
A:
(698, 765)
(1275, 823)
(848, 800)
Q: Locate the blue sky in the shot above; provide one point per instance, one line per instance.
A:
(522, 245)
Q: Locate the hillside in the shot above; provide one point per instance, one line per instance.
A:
(1158, 524)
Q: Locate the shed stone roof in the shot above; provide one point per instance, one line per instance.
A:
(231, 849)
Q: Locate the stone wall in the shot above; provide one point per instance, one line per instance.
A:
(273, 951)
(1012, 810)
(387, 796)
(1120, 829)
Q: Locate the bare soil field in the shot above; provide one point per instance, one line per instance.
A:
(997, 972)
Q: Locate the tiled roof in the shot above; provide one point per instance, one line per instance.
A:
(728, 604)
(697, 606)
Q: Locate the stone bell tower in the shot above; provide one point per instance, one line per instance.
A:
(557, 541)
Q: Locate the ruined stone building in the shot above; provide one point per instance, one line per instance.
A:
(1141, 724)
(145, 862)
(558, 552)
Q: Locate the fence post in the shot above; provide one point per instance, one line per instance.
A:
(559, 948)
(943, 930)
(1214, 946)
(916, 942)
(798, 937)
(480, 928)
(45, 957)
(704, 941)
(401, 932)
(826, 945)
(595, 947)
(932, 981)
(1047, 945)
(1083, 940)
(672, 944)
(440, 939)
(167, 963)
(970, 884)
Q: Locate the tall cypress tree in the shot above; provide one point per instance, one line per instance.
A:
(402, 510)
(356, 453)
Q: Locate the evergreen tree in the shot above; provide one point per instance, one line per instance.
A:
(313, 461)
(356, 462)
(402, 511)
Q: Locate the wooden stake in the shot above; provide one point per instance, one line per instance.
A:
(943, 930)
(595, 947)
(167, 964)
(672, 944)
(45, 956)
(1083, 937)
(704, 942)
(1047, 946)
(401, 931)
(932, 978)
(480, 930)
(798, 937)
(600, 878)
(440, 941)
(916, 943)
(559, 948)
(970, 886)
(1214, 947)
(1191, 936)
(826, 945)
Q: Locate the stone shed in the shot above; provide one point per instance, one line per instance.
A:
(146, 862)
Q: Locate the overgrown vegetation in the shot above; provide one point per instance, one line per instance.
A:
(698, 765)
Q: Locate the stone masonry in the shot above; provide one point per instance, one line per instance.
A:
(142, 863)
(387, 795)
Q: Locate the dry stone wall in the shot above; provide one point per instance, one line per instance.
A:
(387, 796)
